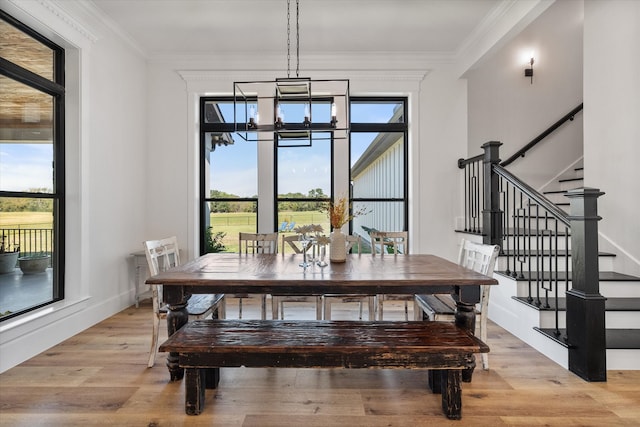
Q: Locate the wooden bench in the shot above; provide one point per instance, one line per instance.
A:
(204, 346)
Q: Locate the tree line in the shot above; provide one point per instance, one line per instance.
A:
(315, 202)
(27, 204)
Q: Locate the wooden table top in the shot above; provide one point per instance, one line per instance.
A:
(281, 274)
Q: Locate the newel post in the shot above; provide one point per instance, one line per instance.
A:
(491, 213)
(585, 306)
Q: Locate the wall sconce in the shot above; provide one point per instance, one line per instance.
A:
(528, 72)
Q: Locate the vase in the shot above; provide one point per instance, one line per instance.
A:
(8, 261)
(338, 248)
(34, 264)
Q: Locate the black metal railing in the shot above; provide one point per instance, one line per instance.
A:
(474, 193)
(32, 241)
(537, 240)
(521, 152)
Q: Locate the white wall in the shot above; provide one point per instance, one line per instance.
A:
(437, 109)
(612, 122)
(504, 106)
(105, 133)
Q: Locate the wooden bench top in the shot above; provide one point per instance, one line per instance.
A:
(318, 337)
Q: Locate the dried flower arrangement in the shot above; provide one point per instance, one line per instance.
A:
(339, 212)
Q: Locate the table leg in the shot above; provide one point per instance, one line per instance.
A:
(466, 319)
(177, 317)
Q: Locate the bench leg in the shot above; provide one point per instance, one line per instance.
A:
(435, 383)
(177, 317)
(451, 393)
(465, 317)
(194, 383)
(212, 378)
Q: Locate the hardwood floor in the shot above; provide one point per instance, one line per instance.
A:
(99, 377)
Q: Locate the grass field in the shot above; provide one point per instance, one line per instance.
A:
(229, 223)
(234, 223)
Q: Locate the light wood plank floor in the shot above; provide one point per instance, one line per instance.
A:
(99, 377)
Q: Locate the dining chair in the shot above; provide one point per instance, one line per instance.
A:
(256, 243)
(390, 243)
(353, 246)
(277, 301)
(441, 307)
(161, 255)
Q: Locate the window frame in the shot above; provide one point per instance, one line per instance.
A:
(56, 89)
(386, 128)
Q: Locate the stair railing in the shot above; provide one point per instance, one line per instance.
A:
(537, 240)
(521, 152)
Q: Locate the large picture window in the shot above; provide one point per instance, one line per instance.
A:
(303, 174)
(378, 163)
(31, 169)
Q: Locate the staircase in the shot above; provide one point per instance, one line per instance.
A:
(521, 305)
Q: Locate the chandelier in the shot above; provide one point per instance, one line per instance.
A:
(293, 111)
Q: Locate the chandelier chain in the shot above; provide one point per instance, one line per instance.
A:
(288, 39)
(297, 38)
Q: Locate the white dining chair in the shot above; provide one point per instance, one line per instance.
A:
(353, 246)
(441, 307)
(291, 242)
(256, 243)
(390, 243)
(161, 255)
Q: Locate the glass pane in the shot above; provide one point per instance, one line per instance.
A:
(295, 214)
(26, 144)
(25, 51)
(233, 166)
(305, 171)
(227, 219)
(26, 225)
(222, 111)
(377, 164)
(381, 216)
(377, 112)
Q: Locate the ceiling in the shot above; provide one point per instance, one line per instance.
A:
(183, 27)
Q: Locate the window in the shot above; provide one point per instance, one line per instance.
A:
(229, 184)
(378, 163)
(303, 184)
(31, 165)
(303, 174)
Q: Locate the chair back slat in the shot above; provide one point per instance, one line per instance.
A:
(162, 255)
(478, 257)
(393, 242)
(258, 243)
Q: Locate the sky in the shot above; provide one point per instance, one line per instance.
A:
(27, 166)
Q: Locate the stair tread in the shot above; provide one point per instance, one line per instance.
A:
(604, 276)
(534, 252)
(611, 304)
(555, 192)
(570, 179)
(616, 339)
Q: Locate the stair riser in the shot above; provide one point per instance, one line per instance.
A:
(607, 289)
(534, 222)
(612, 319)
(570, 185)
(533, 242)
(605, 263)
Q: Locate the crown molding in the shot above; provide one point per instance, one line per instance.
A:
(504, 22)
(190, 76)
(51, 19)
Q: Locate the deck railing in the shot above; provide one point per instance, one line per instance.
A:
(32, 241)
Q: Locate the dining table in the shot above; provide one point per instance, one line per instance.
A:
(282, 274)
